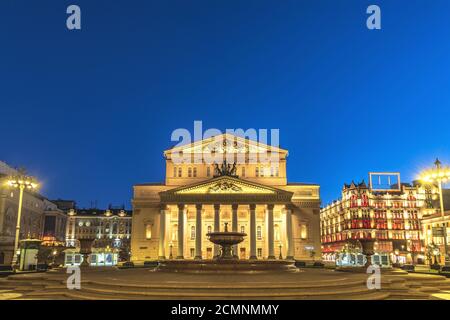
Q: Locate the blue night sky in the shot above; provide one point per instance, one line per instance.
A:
(90, 112)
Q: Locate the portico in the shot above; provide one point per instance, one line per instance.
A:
(171, 220)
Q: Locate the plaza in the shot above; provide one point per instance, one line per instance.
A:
(102, 283)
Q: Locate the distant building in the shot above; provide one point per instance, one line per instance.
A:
(435, 226)
(40, 216)
(110, 228)
(390, 218)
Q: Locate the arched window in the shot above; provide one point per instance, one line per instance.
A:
(192, 232)
(179, 172)
(189, 172)
(148, 231)
(259, 232)
(174, 172)
(195, 172)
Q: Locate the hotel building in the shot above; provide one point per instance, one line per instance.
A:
(109, 229)
(389, 218)
(250, 193)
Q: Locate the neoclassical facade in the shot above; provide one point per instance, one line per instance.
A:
(249, 193)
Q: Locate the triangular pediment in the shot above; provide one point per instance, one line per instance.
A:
(225, 143)
(225, 187)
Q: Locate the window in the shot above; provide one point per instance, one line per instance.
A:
(209, 229)
(179, 172)
(195, 172)
(277, 171)
(277, 232)
(189, 172)
(175, 232)
(303, 231)
(271, 171)
(242, 229)
(258, 233)
(259, 252)
(192, 232)
(174, 172)
(148, 231)
(208, 171)
(257, 172)
(192, 252)
(243, 172)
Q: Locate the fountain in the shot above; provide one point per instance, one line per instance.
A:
(227, 261)
(226, 240)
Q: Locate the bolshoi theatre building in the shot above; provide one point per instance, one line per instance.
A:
(171, 220)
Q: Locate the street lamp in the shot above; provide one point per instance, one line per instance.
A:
(280, 246)
(439, 175)
(21, 181)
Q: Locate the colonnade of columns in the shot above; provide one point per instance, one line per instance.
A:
(234, 222)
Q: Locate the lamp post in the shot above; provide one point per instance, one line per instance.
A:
(170, 252)
(439, 175)
(280, 246)
(21, 181)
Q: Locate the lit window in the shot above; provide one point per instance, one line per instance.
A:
(209, 229)
(175, 232)
(242, 229)
(192, 232)
(259, 233)
(277, 232)
(303, 231)
(195, 172)
(189, 172)
(148, 231)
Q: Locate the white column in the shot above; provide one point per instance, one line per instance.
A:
(216, 226)
(270, 231)
(198, 232)
(180, 254)
(162, 233)
(234, 222)
(253, 231)
(289, 235)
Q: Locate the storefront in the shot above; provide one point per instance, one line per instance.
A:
(97, 259)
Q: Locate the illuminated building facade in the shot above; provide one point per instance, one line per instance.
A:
(436, 231)
(40, 216)
(110, 229)
(391, 219)
(250, 193)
